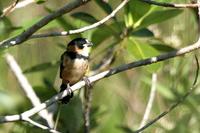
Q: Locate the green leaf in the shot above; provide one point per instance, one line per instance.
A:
(159, 16)
(105, 6)
(101, 34)
(162, 47)
(40, 1)
(142, 33)
(5, 27)
(135, 11)
(140, 50)
(138, 9)
(42, 67)
(84, 17)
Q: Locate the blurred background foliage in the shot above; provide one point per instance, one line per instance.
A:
(138, 31)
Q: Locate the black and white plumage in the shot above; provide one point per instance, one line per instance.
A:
(74, 63)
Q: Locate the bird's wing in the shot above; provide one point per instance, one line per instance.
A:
(61, 64)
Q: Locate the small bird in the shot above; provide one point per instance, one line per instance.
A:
(74, 64)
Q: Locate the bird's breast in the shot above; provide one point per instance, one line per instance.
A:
(74, 70)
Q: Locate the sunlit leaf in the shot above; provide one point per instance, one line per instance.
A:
(159, 16)
(140, 50)
(142, 33)
(134, 11)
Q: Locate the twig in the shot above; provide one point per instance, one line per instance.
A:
(173, 106)
(100, 76)
(105, 63)
(150, 101)
(80, 30)
(27, 88)
(16, 5)
(87, 107)
(23, 3)
(9, 9)
(40, 125)
(165, 4)
(45, 20)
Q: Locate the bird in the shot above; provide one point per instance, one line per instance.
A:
(74, 64)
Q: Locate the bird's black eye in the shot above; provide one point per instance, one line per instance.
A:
(80, 46)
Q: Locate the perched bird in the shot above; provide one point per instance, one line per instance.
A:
(74, 64)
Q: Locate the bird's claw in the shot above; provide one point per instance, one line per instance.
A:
(70, 94)
(87, 82)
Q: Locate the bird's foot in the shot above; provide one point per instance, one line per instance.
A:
(70, 94)
(87, 82)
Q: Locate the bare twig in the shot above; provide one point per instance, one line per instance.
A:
(40, 125)
(100, 76)
(9, 9)
(27, 88)
(150, 101)
(45, 20)
(173, 5)
(173, 106)
(105, 63)
(87, 107)
(76, 31)
(16, 5)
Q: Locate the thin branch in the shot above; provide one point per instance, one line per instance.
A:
(100, 76)
(16, 5)
(105, 63)
(87, 108)
(23, 3)
(83, 29)
(45, 20)
(173, 5)
(150, 101)
(40, 125)
(27, 88)
(9, 9)
(173, 106)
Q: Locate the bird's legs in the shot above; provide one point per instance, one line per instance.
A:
(70, 93)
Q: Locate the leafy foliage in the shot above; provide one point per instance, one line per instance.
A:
(137, 32)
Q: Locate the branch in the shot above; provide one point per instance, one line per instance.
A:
(83, 29)
(16, 5)
(9, 9)
(87, 106)
(100, 76)
(165, 4)
(40, 125)
(173, 106)
(150, 101)
(27, 88)
(45, 20)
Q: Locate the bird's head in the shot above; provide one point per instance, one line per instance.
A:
(80, 45)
